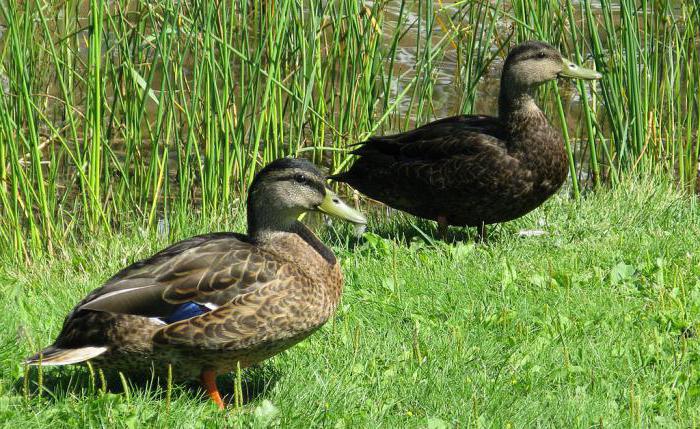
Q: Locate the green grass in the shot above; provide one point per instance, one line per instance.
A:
(593, 324)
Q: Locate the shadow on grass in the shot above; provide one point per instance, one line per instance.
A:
(406, 230)
(60, 382)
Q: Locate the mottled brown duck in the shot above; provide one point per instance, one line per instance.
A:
(211, 302)
(472, 170)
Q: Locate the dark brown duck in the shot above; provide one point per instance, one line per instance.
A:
(471, 170)
(207, 304)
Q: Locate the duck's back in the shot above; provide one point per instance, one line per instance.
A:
(463, 168)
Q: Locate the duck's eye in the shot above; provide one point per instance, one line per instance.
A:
(541, 55)
(299, 178)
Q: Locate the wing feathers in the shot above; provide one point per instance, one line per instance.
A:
(143, 301)
(211, 272)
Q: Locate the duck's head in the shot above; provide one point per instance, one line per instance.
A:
(288, 187)
(533, 63)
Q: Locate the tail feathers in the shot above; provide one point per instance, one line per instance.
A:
(57, 356)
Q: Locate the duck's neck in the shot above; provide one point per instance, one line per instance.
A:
(531, 138)
(517, 109)
(265, 228)
(265, 223)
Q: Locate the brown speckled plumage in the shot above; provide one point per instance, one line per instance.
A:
(473, 170)
(271, 296)
(266, 291)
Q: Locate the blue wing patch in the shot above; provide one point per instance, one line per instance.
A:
(187, 310)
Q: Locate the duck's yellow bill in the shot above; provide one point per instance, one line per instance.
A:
(571, 69)
(334, 206)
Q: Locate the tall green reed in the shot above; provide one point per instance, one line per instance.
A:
(650, 86)
(142, 113)
(642, 115)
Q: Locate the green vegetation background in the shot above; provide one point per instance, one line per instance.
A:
(120, 117)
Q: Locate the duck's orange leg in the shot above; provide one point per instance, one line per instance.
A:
(208, 378)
